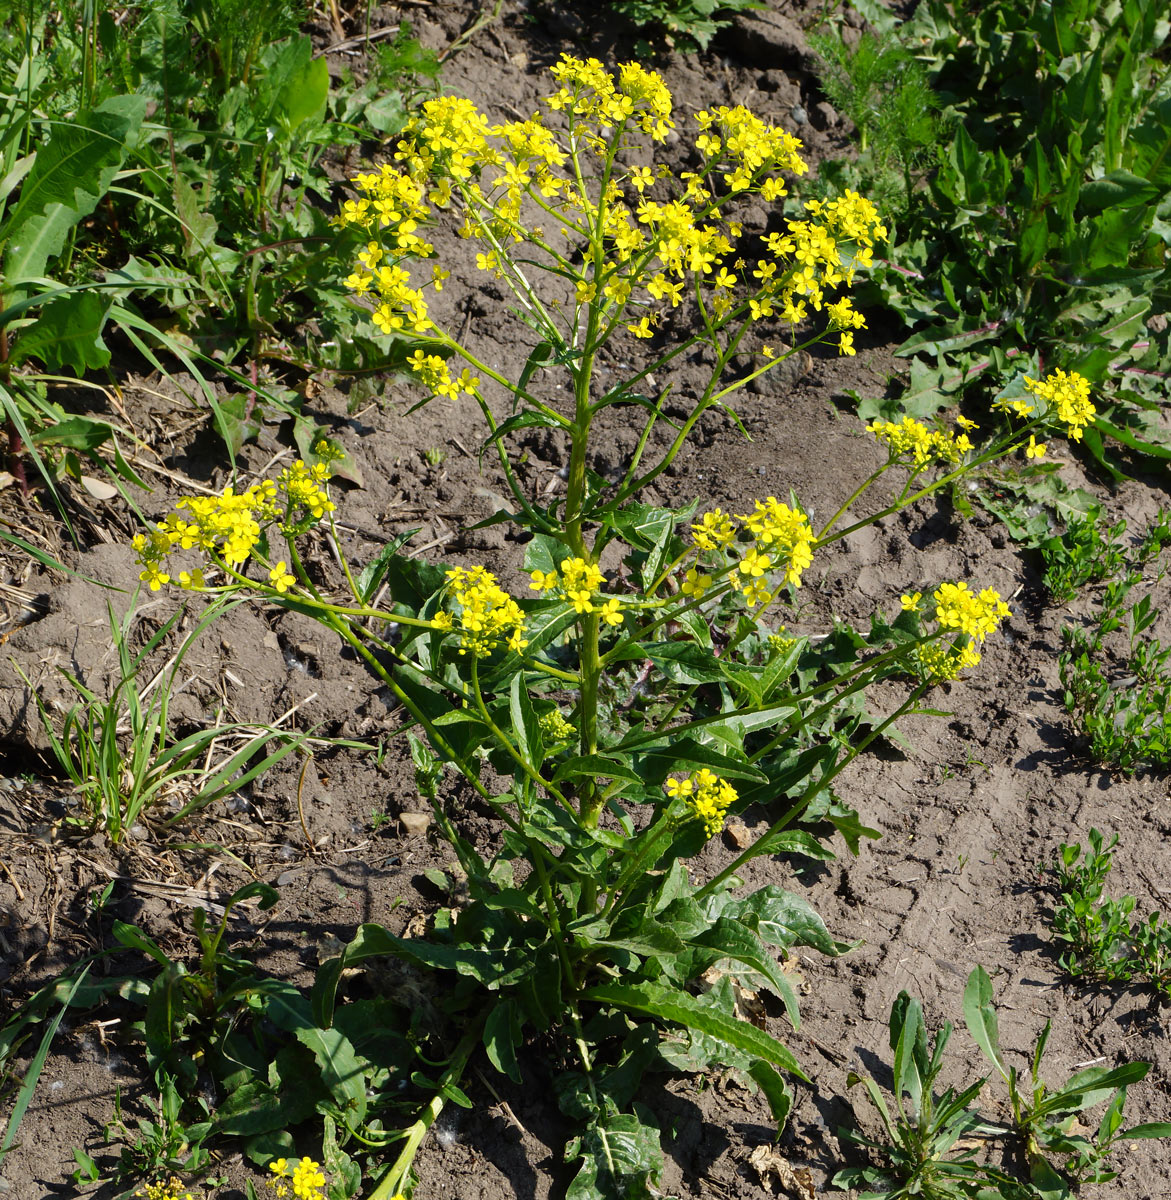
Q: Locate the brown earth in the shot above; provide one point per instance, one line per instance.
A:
(968, 815)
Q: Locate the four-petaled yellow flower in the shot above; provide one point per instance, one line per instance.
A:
(280, 578)
(910, 601)
(1035, 449)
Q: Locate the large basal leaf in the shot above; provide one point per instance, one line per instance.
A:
(783, 919)
(68, 333)
(684, 1009)
(621, 1157)
(72, 172)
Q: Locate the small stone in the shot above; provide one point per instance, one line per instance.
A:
(738, 834)
(414, 823)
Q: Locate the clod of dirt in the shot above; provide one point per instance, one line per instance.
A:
(414, 823)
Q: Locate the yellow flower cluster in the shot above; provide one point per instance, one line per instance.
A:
(976, 614)
(707, 795)
(655, 248)
(914, 443)
(781, 540)
(432, 372)
(579, 582)
(172, 1189)
(1067, 397)
(487, 613)
(958, 609)
(591, 94)
(304, 1182)
(229, 525)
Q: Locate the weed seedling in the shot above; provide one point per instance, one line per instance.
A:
(1105, 945)
(1085, 553)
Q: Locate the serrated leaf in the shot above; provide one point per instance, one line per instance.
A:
(72, 172)
(67, 333)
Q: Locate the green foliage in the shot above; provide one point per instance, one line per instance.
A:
(883, 89)
(119, 752)
(1042, 235)
(1104, 944)
(1116, 673)
(198, 234)
(931, 1142)
(1084, 553)
(686, 23)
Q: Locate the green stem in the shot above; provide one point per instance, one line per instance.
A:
(506, 742)
(395, 1180)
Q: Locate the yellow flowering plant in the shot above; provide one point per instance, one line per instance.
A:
(644, 688)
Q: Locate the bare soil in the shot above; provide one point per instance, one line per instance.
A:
(969, 814)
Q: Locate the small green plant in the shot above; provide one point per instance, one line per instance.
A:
(932, 1142)
(687, 23)
(923, 1132)
(883, 89)
(1060, 1156)
(1104, 943)
(1115, 673)
(119, 752)
(1086, 552)
(435, 456)
(162, 1140)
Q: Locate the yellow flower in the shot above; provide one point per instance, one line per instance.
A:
(280, 578)
(1067, 397)
(487, 614)
(714, 529)
(1034, 449)
(695, 584)
(910, 601)
(611, 611)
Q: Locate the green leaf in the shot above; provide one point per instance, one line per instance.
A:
(33, 1071)
(595, 766)
(1152, 1129)
(68, 333)
(71, 174)
(783, 919)
(304, 93)
(730, 939)
(683, 662)
(372, 574)
(980, 1016)
(779, 1097)
(684, 1009)
(686, 754)
(341, 1071)
(502, 1035)
(621, 1157)
(793, 841)
(525, 726)
(85, 434)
